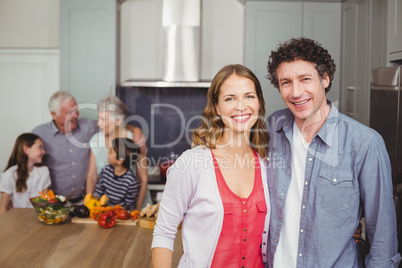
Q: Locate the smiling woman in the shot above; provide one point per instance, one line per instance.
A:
(218, 189)
(238, 104)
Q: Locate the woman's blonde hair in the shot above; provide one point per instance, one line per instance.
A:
(211, 129)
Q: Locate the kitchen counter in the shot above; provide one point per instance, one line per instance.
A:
(26, 242)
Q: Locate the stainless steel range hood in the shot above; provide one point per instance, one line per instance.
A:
(181, 47)
(181, 27)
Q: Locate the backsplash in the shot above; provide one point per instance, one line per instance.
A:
(166, 115)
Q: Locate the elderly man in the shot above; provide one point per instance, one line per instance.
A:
(66, 144)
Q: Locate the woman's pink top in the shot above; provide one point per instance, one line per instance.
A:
(243, 223)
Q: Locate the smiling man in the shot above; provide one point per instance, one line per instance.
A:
(65, 141)
(335, 171)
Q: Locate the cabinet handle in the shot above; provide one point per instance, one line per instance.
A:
(351, 101)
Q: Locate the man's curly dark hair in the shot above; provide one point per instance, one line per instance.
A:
(301, 49)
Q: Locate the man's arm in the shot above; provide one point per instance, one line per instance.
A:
(92, 175)
(379, 210)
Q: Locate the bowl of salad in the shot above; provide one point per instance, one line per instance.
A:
(51, 211)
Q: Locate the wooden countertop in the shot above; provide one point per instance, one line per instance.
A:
(26, 242)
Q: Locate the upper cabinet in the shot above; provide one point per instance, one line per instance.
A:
(395, 30)
(88, 55)
(363, 48)
(269, 23)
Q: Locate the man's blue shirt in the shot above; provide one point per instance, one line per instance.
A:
(348, 176)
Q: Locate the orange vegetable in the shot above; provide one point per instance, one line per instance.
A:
(134, 214)
(50, 195)
(42, 195)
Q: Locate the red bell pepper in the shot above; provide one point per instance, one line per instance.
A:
(96, 215)
(121, 213)
(106, 220)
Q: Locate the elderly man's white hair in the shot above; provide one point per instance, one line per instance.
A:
(56, 99)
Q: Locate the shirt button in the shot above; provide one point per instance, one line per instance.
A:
(265, 232)
(280, 217)
(304, 207)
(244, 211)
(300, 255)
(268, 158)
(276, 240)
(244, 229)
(310, 159)
(301, 231)
(335, 180)
(244, 202)
(73, 176)
(288, 172)
(244, 240)
(71, 150)
(73, 163)
(243, 258)
(306, 183)
(264, 243)
(282, 194)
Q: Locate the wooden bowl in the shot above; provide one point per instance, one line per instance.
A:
(147, 223)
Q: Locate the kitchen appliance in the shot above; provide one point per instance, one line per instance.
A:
(167, 110)
(181, 27)
(386, 118)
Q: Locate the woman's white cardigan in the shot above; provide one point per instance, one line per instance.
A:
(191, 195)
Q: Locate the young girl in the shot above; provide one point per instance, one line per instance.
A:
(24, 176)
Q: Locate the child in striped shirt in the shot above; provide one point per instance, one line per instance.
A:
(117, 180)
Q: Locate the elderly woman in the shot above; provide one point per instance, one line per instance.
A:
(111, 121)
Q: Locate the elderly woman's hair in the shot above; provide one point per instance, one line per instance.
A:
(113, 105)
(56, 99)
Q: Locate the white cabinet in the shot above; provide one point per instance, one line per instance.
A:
(395, 30)
(88, 57)
(269, 23)
(363, 47)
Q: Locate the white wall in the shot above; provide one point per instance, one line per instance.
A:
(29, 23)
(29, 66)
(141, 38)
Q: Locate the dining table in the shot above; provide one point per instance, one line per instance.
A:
(26, 242)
